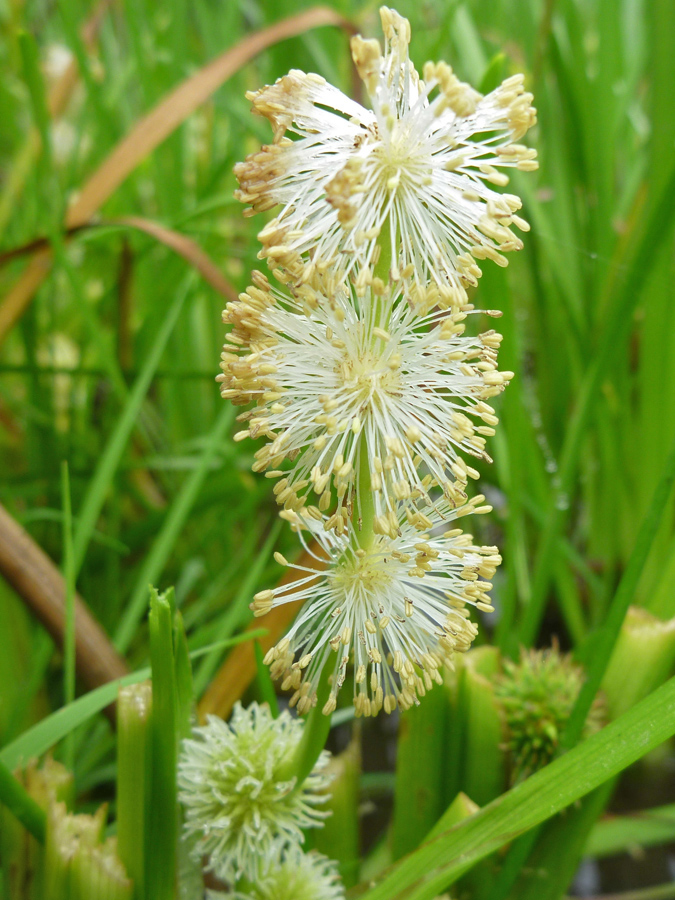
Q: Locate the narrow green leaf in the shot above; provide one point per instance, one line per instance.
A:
(597, 663)
(419, 770)
(134, 717)
(483, 760)
(237, 611)
(38, 739)
(164, 543)
(36, 89)
(265, 684)
(314, 734)
(110, 459)
(184, 688)
(551, 866)
(439, 862)
(69, 580)
(621, 834)
(161, 834)
(339, 837)
(657, 230)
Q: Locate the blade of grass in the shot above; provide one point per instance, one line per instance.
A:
(149, 133)
(107, 466)
(57, 101)
(621, 834)
(420, 758)
(438, 862)
(598, 659)
(161, 834)
(164, 543)
(134, 716)
(69, 631)
(237, 611)
(657, 229)
(17, 799)
(265, 684)
(49, 731)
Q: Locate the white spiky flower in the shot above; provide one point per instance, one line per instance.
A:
(350, 387)
(397, 604)
(414, 173)
(242, 810)
(302, 876)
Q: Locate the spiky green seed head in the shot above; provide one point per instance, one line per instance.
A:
(537, 695)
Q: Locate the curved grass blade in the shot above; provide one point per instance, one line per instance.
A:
(164, 543)
(440, 861)
(38, 739)
(107, 466)
(656, 231)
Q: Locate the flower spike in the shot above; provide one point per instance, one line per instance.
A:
(396, 609)
(332, 385)
(242, 811)
(415, 172)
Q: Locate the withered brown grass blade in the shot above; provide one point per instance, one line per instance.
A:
(149, 133)
(174, 240)
(38, 582)
(185, 247)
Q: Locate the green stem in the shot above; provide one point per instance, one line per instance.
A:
(69, 633)
(134, 711)
(314, 735)
(162, 815)
(364, 509)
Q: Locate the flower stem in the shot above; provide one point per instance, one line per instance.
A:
(314, 735)
(364, 510)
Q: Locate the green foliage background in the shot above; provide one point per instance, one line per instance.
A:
(123, 327)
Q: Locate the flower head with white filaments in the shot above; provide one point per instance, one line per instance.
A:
(397, 609)
(242, 810)
(302, 876)
(331, 384)
(413, 173)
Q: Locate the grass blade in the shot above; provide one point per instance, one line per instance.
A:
(598, 660)
(658, 228)
(164, 543)
(439, 862)
(18, 800)
(105, 470)
(38, 739)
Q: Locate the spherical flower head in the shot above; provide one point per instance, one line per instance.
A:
(414, 173)
(302, 876)
(343, 397)
(396, 608)
(537, 695)
(242, 811)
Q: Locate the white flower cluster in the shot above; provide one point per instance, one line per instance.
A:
(357, 369)
(245, 814)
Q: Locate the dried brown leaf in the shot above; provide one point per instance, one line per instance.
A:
(174, 240)
(35, 578)
(185, 247)
(149, 133)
